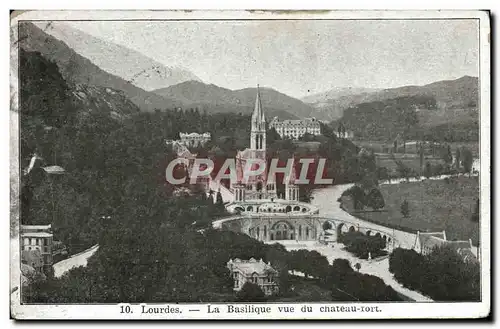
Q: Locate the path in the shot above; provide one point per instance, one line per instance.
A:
(227, 195)
(74, 261)
(379, 268)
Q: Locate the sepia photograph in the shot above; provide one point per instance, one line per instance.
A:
(242, 164)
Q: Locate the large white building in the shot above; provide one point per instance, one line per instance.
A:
(190, 140)
(194, 139)
(296, 128)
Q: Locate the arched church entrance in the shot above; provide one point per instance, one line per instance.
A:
(282, 230)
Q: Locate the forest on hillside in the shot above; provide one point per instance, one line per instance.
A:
(113, 192)
(386, 120)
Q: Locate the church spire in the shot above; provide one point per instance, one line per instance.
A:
(258, 113)
(258, 131)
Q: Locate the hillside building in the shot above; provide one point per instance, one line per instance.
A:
(38, 237)
(253, 271)
(427, 241)
(194, 139)
(295, 129)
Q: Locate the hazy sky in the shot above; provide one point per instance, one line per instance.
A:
(304, 57)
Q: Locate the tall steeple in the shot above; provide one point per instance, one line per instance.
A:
(258, 131)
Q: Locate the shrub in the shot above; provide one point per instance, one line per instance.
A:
(361, 245)
(375, 199)
(405, 208)
(347, 284)
(442, 275)
(250, 292)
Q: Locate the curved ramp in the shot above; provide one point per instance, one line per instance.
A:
(74, 261)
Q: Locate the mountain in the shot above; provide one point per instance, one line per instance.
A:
(77, 69)
(118, 60)
(461, 93)
(449, 94)
(49, 104)
(213, 98)
(415, 117)
(335, 93)
(324, 103)
(100, 99)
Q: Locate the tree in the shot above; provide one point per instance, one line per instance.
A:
(403, 170)
(458, 158)
(428, 170)
(467, 159)
(476, 212)
(447, 156)
(357, 266)
(375, 199)
(358, 196)
(405, 208)
(382, 173)
(340, 130)
(250, 292)
(211, 196)
(220, 201)
(443, 274)
(421, 155)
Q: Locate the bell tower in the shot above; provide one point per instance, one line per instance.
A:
(258, 131)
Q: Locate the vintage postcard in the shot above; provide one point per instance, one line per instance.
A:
(250, 165)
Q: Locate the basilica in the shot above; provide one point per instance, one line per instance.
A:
(261, 186)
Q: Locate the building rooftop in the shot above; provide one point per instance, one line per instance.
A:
(431, 240)
(427, 238)
(248, 267)
(54, 170)
(37, 234)
(297, 123)
(25, 228)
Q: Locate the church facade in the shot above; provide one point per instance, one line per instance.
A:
(259, 186)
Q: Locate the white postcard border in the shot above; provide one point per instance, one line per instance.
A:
(385, 310)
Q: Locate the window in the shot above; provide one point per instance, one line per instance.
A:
(254, 278)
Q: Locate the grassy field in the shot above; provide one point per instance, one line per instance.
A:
(434, 206)
(378, 146)
(410, 160)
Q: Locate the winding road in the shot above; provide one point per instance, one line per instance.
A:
(326, 201)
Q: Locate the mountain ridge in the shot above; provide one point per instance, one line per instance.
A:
(213, 98)
(77, 69)
(129, 64)
(449, 94)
